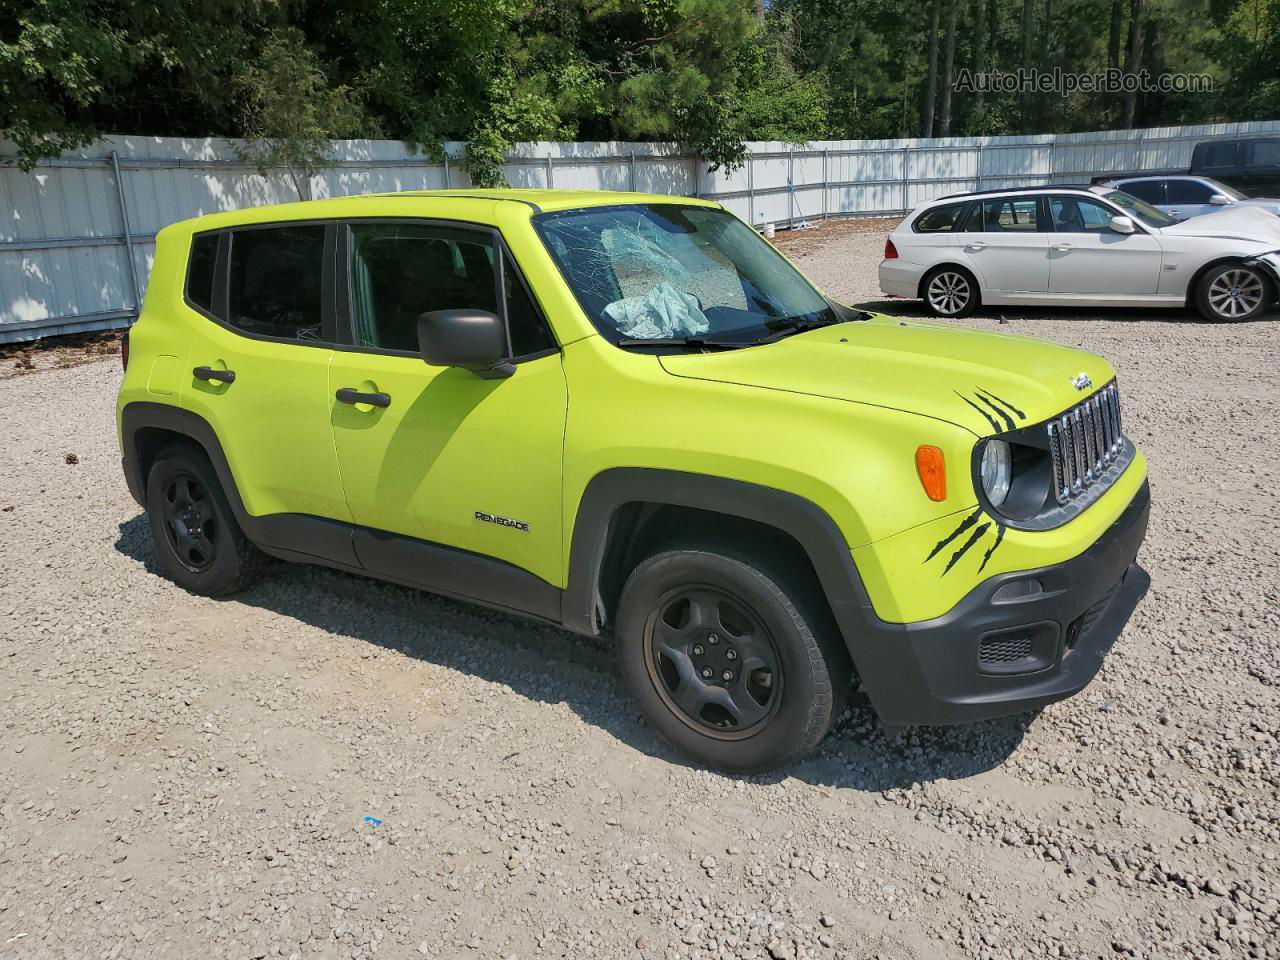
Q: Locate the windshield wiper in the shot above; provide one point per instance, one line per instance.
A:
(680, 342)
(796, 325)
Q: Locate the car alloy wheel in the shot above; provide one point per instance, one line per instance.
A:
(189, 522)
(713, 662)
(1236, 293)
(949, 293)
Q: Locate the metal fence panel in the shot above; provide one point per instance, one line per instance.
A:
(77, 234)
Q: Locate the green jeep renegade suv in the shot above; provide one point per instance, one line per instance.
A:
(631, 416)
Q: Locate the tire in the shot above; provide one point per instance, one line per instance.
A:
(949, 291)
(199, 545)
(689, 617)
(1232, 292)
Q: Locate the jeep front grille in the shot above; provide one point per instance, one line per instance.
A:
(1084, 441)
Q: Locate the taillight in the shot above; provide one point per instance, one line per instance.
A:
(124, 350)
(890, 251)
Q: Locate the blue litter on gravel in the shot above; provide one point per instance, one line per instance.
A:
(373, 820)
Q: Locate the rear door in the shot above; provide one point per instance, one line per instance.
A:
(449, 459)
(1004, 240)
(259, 369)
(1088, 259)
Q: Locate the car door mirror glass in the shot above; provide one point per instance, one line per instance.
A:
(1218, 200)
(1122, 225)
(474, 340)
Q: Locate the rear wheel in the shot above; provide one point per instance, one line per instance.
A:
(199, 545)
(1231, 292)
(950, 292)
(736, 665)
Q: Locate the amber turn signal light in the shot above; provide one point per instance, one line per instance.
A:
(933, 472)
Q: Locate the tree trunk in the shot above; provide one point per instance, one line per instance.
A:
(948, 72)
(1024, 98)
(931, 85)
(1117, 27)
(980, 59)
(1132, 61)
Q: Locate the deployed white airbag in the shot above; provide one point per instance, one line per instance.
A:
(662, 312)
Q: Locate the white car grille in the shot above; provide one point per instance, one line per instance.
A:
(1084, 441)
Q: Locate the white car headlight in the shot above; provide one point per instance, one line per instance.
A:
(996, 470)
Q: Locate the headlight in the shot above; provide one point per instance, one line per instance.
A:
(996, 471)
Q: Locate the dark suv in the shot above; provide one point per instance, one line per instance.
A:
(1250, 164)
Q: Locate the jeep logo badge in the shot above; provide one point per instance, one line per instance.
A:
(1081, 381)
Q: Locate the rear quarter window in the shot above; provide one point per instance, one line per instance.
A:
(200, 269)
(940, 219)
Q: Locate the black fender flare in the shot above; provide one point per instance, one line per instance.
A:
(808, 524)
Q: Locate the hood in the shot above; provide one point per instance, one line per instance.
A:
(983, 382)
(1236, 222)
(1269, 204)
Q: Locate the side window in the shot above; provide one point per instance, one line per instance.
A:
(203, 257)
(1220, 153)
(1152, 191)
(1077, 215)
(1188, 191)
(529, 334)
(939, 219)
(400, 271)
(1264, 153)
(973, 219)
(1011, 215)
(275, 281)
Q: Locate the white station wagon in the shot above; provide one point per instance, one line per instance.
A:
(1081, 246)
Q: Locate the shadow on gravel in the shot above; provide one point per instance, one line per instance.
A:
(915, 310)
(550, 665)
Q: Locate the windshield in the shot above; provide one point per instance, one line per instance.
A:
(671, 272)
(1223, 189)
(1140, 209)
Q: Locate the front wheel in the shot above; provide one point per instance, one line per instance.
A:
(734, 664)
(950, 292)
(1232, 292)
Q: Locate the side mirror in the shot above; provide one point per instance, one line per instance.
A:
(1122, 225)
(1219, 200)
(474, 340)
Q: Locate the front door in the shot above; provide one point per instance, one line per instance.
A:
(1005, 242)
(441, 455)
(1088, 258)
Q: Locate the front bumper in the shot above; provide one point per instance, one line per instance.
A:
(996, 653)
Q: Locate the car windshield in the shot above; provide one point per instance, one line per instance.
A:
(1140, 209)
(685, 275)
(1223, 189)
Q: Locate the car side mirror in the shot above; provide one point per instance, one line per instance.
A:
(474, 340)
(1122, 225)
(1219, 200)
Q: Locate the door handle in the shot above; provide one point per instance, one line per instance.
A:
(352, 395)
(208, 373)
(976, 244)
(1062, 247)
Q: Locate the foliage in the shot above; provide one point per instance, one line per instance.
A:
(290, 112)
(288, 75)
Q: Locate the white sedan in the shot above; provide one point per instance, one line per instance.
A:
(1081, 246)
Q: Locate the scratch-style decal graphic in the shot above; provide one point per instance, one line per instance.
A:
(979, 531)
(965, 524)
(995, 427)
(1000, 412)
(1000, 528)
(973, 538)
(986, 403)
(1002, 402)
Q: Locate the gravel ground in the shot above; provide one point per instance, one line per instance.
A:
(182, 777)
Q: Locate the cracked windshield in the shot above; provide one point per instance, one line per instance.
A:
(666, 272)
